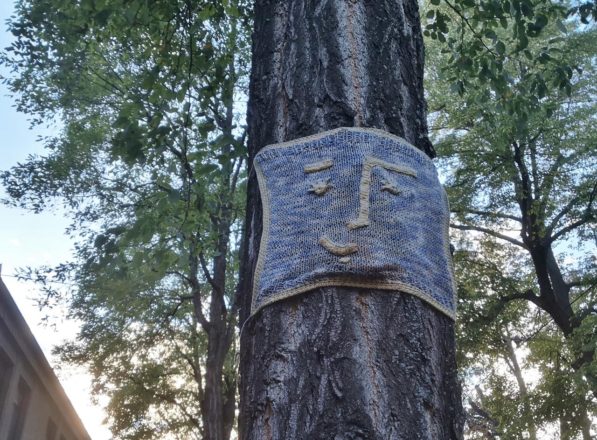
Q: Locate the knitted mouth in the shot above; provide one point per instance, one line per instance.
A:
(342, 250)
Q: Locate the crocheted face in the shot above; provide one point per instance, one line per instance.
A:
(352, 207)
(320, 187)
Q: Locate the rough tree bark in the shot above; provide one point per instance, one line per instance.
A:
(341, 363)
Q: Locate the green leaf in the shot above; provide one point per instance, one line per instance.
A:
(541, 21)
(523, 42)
(490, 33)
(561, 26)
(526, 7)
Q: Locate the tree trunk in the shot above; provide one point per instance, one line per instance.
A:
(212, 406)
(341, 363)
(218, 401)
(585, 423)
(512, 361)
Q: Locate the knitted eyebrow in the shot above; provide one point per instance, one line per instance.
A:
(319, 166)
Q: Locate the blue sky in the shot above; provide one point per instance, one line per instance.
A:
(28, 239)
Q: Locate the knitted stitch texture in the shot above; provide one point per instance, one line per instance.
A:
(352, 207)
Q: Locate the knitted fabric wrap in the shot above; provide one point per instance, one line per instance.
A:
(352, 207)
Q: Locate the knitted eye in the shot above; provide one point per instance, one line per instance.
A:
(320, 187)
(390, 187)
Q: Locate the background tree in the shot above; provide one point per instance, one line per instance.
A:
(313, 366)
(519, 156)
(149, 163)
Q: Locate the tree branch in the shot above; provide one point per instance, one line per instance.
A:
(235, 175)
(198, 307)
(196, 293)
(489, 232)
(179, 274)
(524, 193)
(582, 282)
(208, 276)
(487, 214)
(468, 24)
(587, 216)
(565, 210)
(534, 167)
(550, 175)
(528, 294)
(584, 219)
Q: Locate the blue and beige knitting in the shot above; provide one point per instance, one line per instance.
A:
(352, 207)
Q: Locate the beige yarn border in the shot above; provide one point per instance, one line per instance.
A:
(323, 134)
(336, 281)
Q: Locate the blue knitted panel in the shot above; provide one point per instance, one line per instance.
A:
(352, 207)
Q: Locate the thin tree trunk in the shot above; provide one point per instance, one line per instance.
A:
(218, 402)
(479, 420)
(512, 361)
(341, 363)
(565, 431)
(214, 398)
(585, 422)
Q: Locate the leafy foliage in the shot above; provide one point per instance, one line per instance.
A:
(482, 38)
(519, 157)
(150, 164)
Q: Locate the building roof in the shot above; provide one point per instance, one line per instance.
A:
(20, 332)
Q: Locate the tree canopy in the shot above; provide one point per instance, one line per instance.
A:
(519, 158)
(149, 163)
